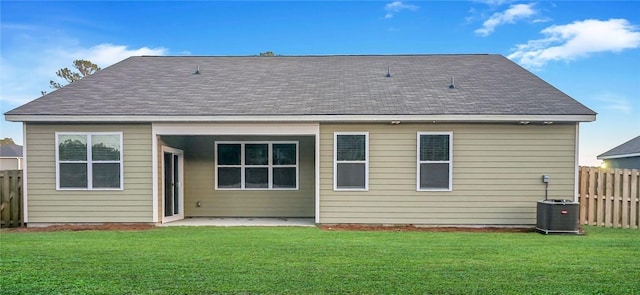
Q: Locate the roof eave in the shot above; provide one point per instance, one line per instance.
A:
(524, 119)
(601, 157)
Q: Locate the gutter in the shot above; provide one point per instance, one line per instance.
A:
(521, 119)
(618, 156)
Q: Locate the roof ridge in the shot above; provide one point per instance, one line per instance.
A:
(335, 55)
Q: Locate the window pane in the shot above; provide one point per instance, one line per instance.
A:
(351, 147)
(284, 154)
(434, 147)
(351, 175)
(284, 177)
(229, 177)
(105, 148)
(72, 148)
(73, 175)
(106, 175)
(256, 178)
(256, 154)
(229, 154)
(434, 175)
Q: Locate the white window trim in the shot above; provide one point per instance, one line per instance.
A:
(335, 161)
(89, 162)
(418, 162)
(269, 166)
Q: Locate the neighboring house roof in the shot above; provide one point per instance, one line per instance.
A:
(630, 148)
(10, 151)
(160, 86)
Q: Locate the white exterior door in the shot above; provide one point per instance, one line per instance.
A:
(172, 188)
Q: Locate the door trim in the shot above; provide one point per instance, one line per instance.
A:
(180, 183)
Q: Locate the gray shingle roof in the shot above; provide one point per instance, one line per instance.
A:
(308, 85)
(630, 147)
(10, 150)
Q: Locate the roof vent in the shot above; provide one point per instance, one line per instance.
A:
(389, 72)
(197, 70)
(453, 83)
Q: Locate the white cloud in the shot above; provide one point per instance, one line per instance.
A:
(107, 54)
(576, 40)
(614, 102)
(514, 13)
(14, 26)
(26, 71)
(397, 6)
(541, 20)
(493, 2)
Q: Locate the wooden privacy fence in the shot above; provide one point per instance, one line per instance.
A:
(11, 198)
(610, 197)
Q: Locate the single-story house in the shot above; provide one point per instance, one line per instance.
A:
(392, 139)
(10, 156)
(624, 156)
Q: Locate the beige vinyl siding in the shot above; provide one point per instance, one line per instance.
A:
(199, 181)
(497, 170)
(48, 205)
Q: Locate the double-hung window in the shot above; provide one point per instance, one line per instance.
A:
(434, 161)
(351, 161)
(89, 160)
(256, 165)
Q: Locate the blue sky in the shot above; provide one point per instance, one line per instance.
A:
(588, 49)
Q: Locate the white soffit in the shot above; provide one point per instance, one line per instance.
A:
(233, 129)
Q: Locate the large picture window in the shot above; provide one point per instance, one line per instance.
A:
(256, 165)
(434, 161)
(351, 161)
(89, 160)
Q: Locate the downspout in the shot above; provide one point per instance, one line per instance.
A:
(576, 196)
(154, 175)
(317, 174)
(25, 183)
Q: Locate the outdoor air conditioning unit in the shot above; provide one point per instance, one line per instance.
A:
(558, 216)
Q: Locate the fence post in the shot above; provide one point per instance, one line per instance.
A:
(593, 196)
(583, 195)
(13, 200)
(608, 207)
(617, 198)
(21, 199)
(635, 199)
(602, 199)
(4, 198)
(626, 174)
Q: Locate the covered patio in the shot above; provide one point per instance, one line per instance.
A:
(241, 221)
(214, 172)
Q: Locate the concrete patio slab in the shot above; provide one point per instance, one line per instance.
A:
(239, 221)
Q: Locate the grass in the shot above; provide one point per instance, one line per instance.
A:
(250, 260)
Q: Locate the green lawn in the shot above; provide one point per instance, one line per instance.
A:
(248, 260)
